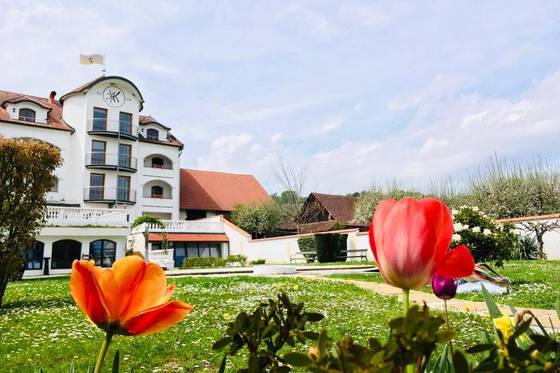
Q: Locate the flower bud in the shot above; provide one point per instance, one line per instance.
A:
(444, 287)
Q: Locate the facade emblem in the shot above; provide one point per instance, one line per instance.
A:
(113, 96)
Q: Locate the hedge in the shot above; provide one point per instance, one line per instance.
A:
(209, 261)
(328, 246)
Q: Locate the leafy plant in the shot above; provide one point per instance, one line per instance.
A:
(330, 247)
(210, 261)
(412, 339)
(526, 248)
(487, 241)
(258, 261)
(241, 259)
(147, 219)
(265, 332)
(308, 244)
(260, 220)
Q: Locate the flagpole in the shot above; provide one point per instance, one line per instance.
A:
(104, 70)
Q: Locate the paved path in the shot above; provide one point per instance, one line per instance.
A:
(548, 318)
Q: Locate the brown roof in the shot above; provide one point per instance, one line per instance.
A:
(189, 237)
(219, 191)
(54, 115)
(340, 207)
(529, 218)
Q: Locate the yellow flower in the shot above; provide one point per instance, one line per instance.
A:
(295, 287)
(504, 325)
(251, 291)
(226, 315)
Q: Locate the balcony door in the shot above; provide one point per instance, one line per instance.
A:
(98, 152)
(123, 188)
(125, 155)
(125, 123)
(96, 186)
(99, 119)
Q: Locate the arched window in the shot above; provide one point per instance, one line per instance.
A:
(157, 162)
(64, 252)
(157, 191)
(152, 134)
(27, 115)
(34, 256)
(103, 252)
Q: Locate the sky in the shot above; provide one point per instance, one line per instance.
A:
(357, 92)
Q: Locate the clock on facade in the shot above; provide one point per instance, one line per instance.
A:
(113, 96)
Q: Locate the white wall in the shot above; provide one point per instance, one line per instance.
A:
(40, 112)
(551, 240)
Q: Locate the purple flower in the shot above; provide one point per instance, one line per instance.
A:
(444, 287)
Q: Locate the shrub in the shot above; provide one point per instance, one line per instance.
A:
(148, 219)
(258, 261)
(241, 259)
(526, 248)
(203, 262)
(487, 241)
(330, 247)
(308, 244)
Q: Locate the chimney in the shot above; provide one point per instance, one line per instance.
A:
(51, 97)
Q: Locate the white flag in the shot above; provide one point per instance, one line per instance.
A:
(90, 59)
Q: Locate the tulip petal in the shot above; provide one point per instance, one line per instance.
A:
(110, 291)
(151, 291)
(128, 273)
(457, 263)
(85, 291)
(157, 319)
(381, 212)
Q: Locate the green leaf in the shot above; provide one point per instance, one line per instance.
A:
(460, 363)
(116, 363)
(311, 335)
(490, 303)
(557, 306)
(481, 348)
(314, 316)
(297, 359)
(221, 343)
(521, 328)
(443, 360)
(223, 364)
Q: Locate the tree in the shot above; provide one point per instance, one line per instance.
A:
(259, 220)
(509, 190)
(293, 179)
(26, 174)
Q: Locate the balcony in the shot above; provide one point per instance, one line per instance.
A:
(111, 161)
(110, 195)
(184, 226)
(112, 128)
(78, 217)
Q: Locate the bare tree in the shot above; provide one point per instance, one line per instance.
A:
(539, 228)
(292, 178)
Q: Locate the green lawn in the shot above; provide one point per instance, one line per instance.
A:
(535, 284)
(41, 327)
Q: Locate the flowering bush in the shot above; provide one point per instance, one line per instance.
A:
(487, 241)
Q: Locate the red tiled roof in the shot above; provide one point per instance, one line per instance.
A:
(219, 191)
(54, 115)
(340, 207)
(529, 218)
(189, 237)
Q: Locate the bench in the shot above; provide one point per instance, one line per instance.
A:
(307, 255)
(361, 253)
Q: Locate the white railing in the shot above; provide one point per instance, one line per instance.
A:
(76, 216)
(162, 257)
(187, 226)
(103, 159)
(102, 125)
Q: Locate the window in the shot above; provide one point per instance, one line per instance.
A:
(64, 252)
(152, 134)
(184, 250)
(157, 192)
(27, 115)
(34, 256)
(96, 186)
(54, 187)
(103, 252)
(99, 119)
(125, 155)
(123, 188)
(125, 123)
(98, 152)
(157, 162)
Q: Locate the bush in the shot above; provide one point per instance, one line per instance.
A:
(148, 219)
(241, 259)
(308, 244)
(330, 247)
(258, 261)
(203, 262)
(526, 249)
(487, 241)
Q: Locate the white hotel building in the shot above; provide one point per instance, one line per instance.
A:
(117, 165)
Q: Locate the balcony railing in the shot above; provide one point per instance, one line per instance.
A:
(112, 127)
(76, 216)
(111, 161)
(105, 194)
(157, 196)
(187, 226)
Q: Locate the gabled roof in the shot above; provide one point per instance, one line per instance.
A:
(148, 119)
(219, 191)
(54, 115)
(340, 207)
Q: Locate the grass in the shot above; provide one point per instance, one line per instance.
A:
(535, 284)
(42, 328)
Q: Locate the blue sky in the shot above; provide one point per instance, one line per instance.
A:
(360, 92)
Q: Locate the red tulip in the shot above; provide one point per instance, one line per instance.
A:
(410, 242)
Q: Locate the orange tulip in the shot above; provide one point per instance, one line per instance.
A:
(131, 298)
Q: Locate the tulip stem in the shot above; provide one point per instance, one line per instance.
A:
(406, 304)
(103, 352)
(448, 329)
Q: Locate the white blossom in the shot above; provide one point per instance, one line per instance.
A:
(475, 229)
(454, 212)
(487, 232)
(458, 227)
(475, 208)
(456, 237)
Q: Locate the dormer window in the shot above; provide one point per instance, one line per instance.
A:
(152, 134)
(27, 115)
